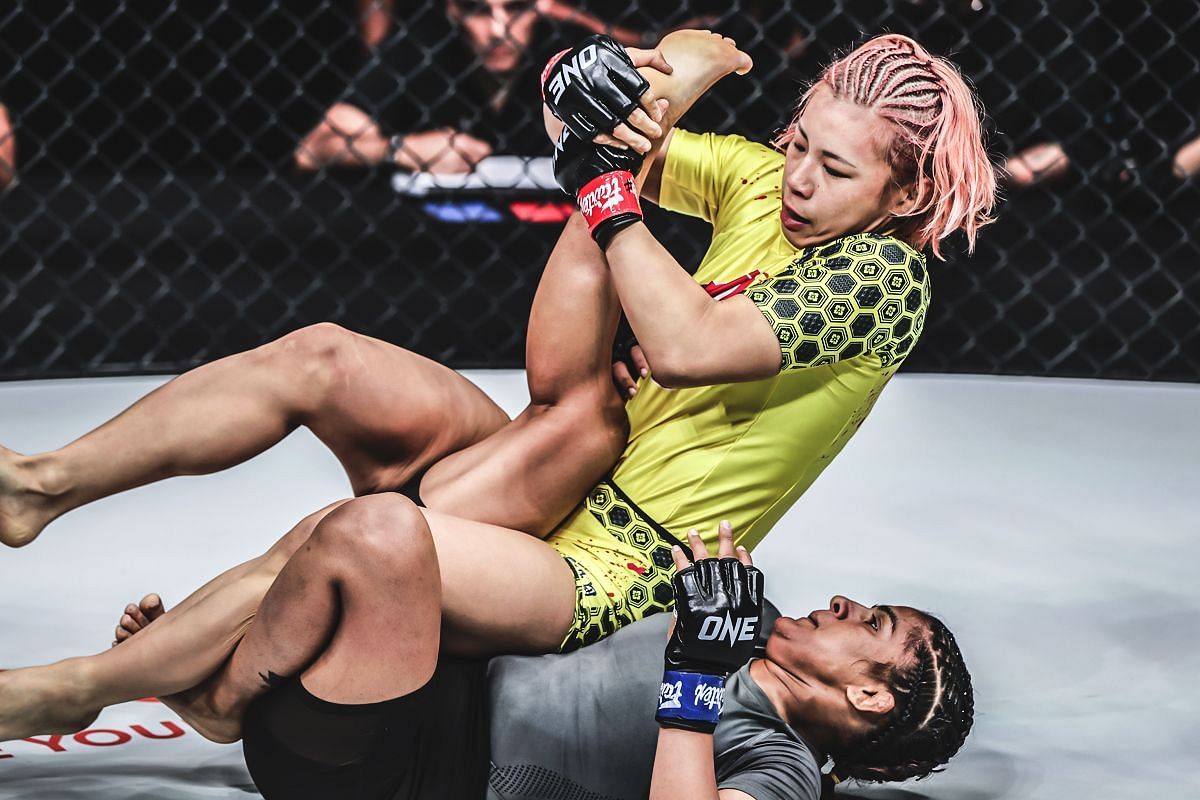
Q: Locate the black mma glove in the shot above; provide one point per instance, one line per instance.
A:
(601, 180)
(592, 87)
(718, 613)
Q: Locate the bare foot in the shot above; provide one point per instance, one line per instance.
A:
(137, 617)
(43, 700)
(24, 511)
(193, 705)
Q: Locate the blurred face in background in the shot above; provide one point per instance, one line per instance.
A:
(498, 31)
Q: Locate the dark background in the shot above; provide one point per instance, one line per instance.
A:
(158, 221)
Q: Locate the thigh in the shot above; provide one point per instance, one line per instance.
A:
(532, 473)
(503, 591)
(389, 413)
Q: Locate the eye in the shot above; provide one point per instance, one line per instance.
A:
(836, 174)
(874, 621)
(796, 144)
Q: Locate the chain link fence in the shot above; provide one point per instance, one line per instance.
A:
(188, 179)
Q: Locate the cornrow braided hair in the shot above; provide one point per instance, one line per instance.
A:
(937, 147)
(934, 712)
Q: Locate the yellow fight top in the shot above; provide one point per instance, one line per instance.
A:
(846, 313)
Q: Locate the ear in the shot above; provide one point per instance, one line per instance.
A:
(870, 698)
(905, 200)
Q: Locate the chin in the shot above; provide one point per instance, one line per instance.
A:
(801, 242)
(502, 62)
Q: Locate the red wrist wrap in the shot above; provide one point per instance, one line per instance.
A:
(607, 196)
(549, 66)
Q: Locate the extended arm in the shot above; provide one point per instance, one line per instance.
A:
(684, 766)
(349, 137)
(684, 769)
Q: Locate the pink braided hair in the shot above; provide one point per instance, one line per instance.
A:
(937, 146)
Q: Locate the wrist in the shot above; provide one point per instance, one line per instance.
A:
(691, 700)
(617, 233)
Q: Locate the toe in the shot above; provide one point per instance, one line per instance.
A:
(133, 615)
(152, 607)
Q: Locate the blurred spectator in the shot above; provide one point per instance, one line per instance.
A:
(1187, 160)
(1042, 162)
(375, 20)
(563, 12)
(8, 149)
(447, 89)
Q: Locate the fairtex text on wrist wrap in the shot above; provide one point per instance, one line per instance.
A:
(691, 700)
(601, 180)
(609, 203)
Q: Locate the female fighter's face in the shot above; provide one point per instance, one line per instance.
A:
(835, 180)
(835, 646)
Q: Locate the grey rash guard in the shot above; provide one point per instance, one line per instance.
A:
(581, 726)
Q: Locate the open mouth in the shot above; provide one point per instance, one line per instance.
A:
(793, 221)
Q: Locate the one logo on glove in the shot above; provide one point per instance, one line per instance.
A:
(574, 66)
(607, 196)
(714, 628)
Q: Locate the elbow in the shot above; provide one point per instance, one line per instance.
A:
(674, 370)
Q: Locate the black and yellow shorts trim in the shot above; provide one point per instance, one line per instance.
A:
(622, 564)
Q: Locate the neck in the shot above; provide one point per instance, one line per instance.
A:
(797, 702)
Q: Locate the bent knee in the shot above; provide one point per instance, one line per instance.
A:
(597, 409)
(322, 355)
(381, 529)
(595, 433)
(595, 420)
(275, 558)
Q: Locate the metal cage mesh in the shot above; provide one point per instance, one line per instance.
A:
(189, 179)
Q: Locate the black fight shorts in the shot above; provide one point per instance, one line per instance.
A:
(430, 744)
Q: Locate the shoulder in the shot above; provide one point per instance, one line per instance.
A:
(757, 752)
(865, 292)
(868, 267)
(877, 252)
(772, 766)
(726, 151)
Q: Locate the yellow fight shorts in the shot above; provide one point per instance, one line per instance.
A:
(622, 564)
